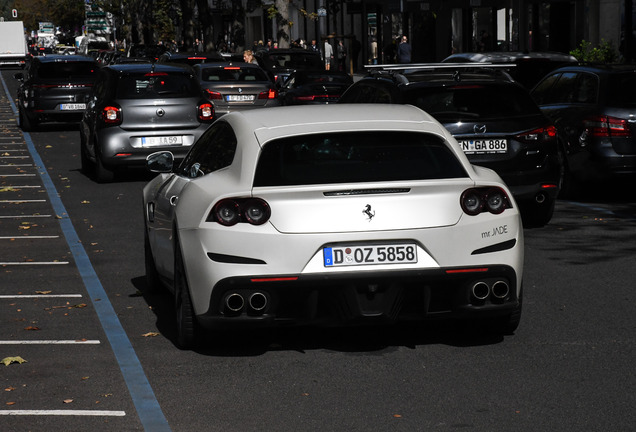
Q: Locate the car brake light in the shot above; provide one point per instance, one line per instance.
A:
(205, 112)
(484, 199)
(606, 126)
(154, 74)
(230, 211)
(213, 95)
(111, 115)
(543, 133)
(270, 94)
(232, 68)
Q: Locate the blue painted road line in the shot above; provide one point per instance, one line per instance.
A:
(143, 397)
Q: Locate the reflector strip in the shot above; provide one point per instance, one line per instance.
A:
(279, 279)
(474, 270)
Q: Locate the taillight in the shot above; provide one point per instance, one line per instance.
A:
(484, 199)
(213, 95)
(270, 94)
(230, 211)
(205, 112)
(539, 134)
(111, 115)
(606, 126)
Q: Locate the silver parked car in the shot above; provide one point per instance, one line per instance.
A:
(236, 86)
(137, 109)
(331, 214)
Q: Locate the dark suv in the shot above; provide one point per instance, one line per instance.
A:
(54, 88)
(137, 109)
(280, 63)
(594, 110)
(493, 118)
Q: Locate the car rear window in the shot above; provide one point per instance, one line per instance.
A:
(66, 70)
(471, 102)
(622, 90)
(356, 157)
(233, 74)
(293, 61)
(153, 85)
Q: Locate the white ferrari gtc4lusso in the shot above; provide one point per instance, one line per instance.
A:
(334, 214)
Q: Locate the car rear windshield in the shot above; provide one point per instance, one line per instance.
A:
(153, 85)
(622, 90)
(471, 102)
(65, 70)
(233, 74)
(356, 157)
(299, 60)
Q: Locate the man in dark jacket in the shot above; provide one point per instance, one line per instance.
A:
(404, 51)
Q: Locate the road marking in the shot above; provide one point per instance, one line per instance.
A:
(8, 263)
(16, 165)
(28, 237)
(21, 201)
(25, 216)
(17, 175)
(148, 409)
(19, 296)
(24, 187)
(62, 413)
(50, 342)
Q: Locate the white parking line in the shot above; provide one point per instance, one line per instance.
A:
(25, 216)
(8, 263)
(21, 201)
(62, 413)
(25, 186)
(17, 175)
(28, 237)
(50, 342)
(19, 296)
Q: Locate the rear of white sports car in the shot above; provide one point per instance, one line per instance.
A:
(349, 222)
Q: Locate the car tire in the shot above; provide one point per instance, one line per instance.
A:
(537, 215)
(26, 124)
(102, 174)
(187, 328)
(153, 284)
(87, 165)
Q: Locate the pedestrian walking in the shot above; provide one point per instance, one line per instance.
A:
(404, 51)
(341, 53)
(315, 48)
(248, 57)
(328, 54)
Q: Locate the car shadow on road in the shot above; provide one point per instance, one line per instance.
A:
(358, 339)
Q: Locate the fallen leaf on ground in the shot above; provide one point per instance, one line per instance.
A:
(8, 360)
(68, 401)
(32, 328)
(150, 334)
(43, 292)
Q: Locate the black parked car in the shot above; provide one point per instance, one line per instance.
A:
(494, 119)
(594, 110)
(280, 63)
(314, 87)
(137, 109)
(54, 88)
(527, 67)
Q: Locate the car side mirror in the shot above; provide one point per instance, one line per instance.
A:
(160, 162)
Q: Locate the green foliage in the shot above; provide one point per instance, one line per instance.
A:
(604, 53)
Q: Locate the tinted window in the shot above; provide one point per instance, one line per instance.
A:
(622, 90)
(564, 89)
(363, 93)
(293, 60)
(470, 102)
(541, 92)
(322, 79)
(213, 151)
(233, 75)
(153, 85)
(586, 89)
(354, 157)
(66, 70)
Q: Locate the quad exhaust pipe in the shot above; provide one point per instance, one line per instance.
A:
(497, 290)
(540, 198)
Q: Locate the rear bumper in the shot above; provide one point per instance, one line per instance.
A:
(379, 298)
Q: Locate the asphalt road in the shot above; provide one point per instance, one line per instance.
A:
(101, 355)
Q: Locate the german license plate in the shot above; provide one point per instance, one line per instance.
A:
(369, 255)
(72, 107)
(162, 140)
(484, 146)
(239, 98)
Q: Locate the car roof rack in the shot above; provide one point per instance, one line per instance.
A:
(432, 66)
